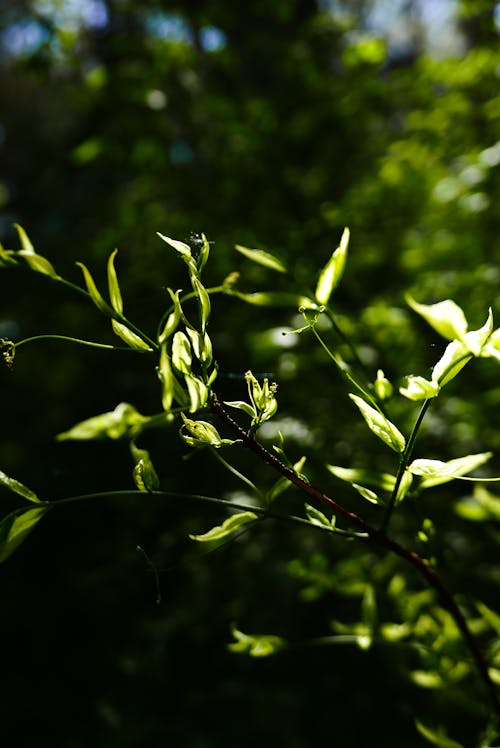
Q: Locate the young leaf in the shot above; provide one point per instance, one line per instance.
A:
(129, 337)
(418, 388)
(167, 378)
(261, 645)
(380, 425)
(230, 525)
(201, 434)
(35, 261)
(144, 474)
(19, 488)
(436, 472)
(451, 362)
(15, 528)
(333, 271)
(382, 387)
(94, 294)
(7, 257)
(476, 339)
(183, 249)
(446, 317)
(490, 616)
(385, 481)
(181, 353)
(436, 737)
(274, 298)
(368, 494)
(204, 301)
(262, 258)
(198, 392)
(317, 517)
(113, 285)
(283, 483)
(124, 420)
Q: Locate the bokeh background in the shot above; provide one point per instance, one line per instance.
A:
(271, 125)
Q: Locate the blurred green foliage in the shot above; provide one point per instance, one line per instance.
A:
(270, 126)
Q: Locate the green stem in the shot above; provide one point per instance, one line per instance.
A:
(404, 462)
(234, 471)
(76, 340)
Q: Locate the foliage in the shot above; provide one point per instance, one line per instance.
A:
(393, 610)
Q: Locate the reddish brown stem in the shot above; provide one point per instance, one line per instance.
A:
(378, 537)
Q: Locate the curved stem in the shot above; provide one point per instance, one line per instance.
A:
(234, 471)
(76, 340)
(377, 537)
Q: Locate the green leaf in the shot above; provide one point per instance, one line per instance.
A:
(201, 344)
(274, 298)
(262, 258)
(204, 301)
(242, 405)
(7, 257)
(19, 488)
(380, 425)
(198, 392)
(36, 262)
(382, 387)
(436, 737)
(436, 472)
(368, 494)
(16, 527)
(490, 616)
(316, 517)
(201, 434)
(446, 317)
(183, 249)
(124, 420)
(476, 339)
(451, 362)
(181, 353)
(418, 388)
(487, 501)
(261, 645)
(129, 337)
(173, 319)
(230, 525)
(333, 271)
(283, 483)
(144, 474)
(94, 294)
(384, 481)
(114, 288)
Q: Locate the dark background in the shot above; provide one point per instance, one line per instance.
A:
(271, 125)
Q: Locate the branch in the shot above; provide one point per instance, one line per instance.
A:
(377, 537)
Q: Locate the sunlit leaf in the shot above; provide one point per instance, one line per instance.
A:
(476, 339)
(198, 392)
(204, 301)
(446, 317)
(436, 737)
(94, 294)
(17, 487)
(418, 388)
(242, 405)
(201, 434)
(35, 261)
(436, 472)
(230, 525)
(124, 420)
(129, 337)
(144, 474)
(181, 353)
(451, 362)
(15, 528)
(262, 258)
(380, 425)
(384, 481)
(490, 616)
(274, 298)
(255, 645)
(113, 285)
(368, 494)
(316, 517)
(333, 271)
(283, 483)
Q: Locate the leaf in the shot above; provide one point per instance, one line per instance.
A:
(201, 434)
(183, 249)
(418, 388)
(144, 474)
(380, 425)
(19, 488)
(283, 483)
(173, 318)
(476, 339)
(490, 616)
(385, 481)
(198, 392)
(368, 494)
(316, 517)
(124, 420)
(262, 258)
(16, 527)
(436, 472)
(242, 405)
(333, 271)
(487, 501)
(274, 298)
(26, 244)
(94, 294)
(7, 257)
(129, 337)
(35, 261)
(114, 288)
(261, 645)
(230, 525)
(181, 353)
(436, 737)
(446, 317)
(451, 362)
(204, 301)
